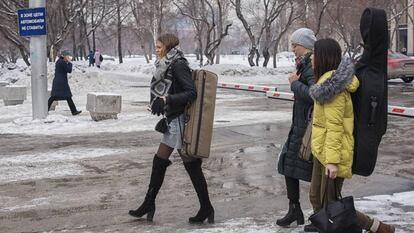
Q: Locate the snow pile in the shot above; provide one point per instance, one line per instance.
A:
(14, 73)
(134, 65)
(245, 71)
(230, 65)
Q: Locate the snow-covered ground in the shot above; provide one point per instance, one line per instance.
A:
(390, 208)
(124, 79)
(131, 79)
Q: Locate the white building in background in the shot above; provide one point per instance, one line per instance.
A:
(402, 40)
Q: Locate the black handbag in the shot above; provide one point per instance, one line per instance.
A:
(162, 126)
(336, 217)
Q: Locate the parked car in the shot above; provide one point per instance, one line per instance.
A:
(400, 66)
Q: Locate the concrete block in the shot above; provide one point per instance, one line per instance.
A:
(14, 95)
(103, 106)
(54, 104)
(2, 84)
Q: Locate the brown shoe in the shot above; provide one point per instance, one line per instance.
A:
(385, 228)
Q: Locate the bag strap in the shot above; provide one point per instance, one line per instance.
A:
(310, 113)
(338, 194)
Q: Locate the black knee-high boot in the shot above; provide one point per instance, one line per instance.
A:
(159, 166)
(200, 185)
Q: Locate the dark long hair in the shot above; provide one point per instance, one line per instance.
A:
(326, 56)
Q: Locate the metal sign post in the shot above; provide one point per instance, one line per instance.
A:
(32, 23)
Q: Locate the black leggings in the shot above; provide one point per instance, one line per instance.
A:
(68, 99)
(293, 192)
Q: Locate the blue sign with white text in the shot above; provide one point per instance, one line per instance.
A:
(32, 21)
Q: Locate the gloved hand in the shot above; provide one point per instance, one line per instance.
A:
(157, 107)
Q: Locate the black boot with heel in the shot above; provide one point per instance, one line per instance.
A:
(159, 166)
(200, 185)
(294, 214)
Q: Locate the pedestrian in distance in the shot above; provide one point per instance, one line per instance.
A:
(172, 89)
(290, 164)
(332, 129)
(98, 58)
(91, 58)
(60, 88)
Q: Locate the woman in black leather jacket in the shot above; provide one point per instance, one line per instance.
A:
(172, 89)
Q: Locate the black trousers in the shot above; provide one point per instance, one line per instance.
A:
(293, 192)
(68, 99)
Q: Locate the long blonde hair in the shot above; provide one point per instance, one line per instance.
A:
(169, 41)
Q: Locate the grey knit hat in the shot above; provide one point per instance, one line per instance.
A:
(304, 37)
(65, 53)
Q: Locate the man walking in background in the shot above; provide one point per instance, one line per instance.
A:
(60, 87)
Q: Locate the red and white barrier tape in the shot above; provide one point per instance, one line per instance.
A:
(271, 92)
(393, 110)
(401, 111)
(247, 87)
(280, 95)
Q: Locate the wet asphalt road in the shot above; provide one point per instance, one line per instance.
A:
(241, 173)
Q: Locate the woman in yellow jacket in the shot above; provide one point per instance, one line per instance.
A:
(332, 127)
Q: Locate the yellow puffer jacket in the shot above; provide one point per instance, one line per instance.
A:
(333, 124)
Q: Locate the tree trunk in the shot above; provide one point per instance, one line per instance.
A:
(265, 50)
(145, 54)
(248, 29)
(200, 50)
(257, 57)
(24, 55)
(150, 48)
(275, 50)
(251, 57)
(266, 56)
(118, 11)
(74, 52)
(218, 55)
(93, 25)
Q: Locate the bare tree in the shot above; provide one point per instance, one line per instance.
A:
(62, 14)
(210, 15)
(215, 31)
(8, 26)
(253, 51)
(149, 17)
(190, 9)
(272, 10)
(283, 26)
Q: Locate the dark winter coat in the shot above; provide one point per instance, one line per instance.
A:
(182, 91)
(60, 87)
(289, 162)
(91, 58)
